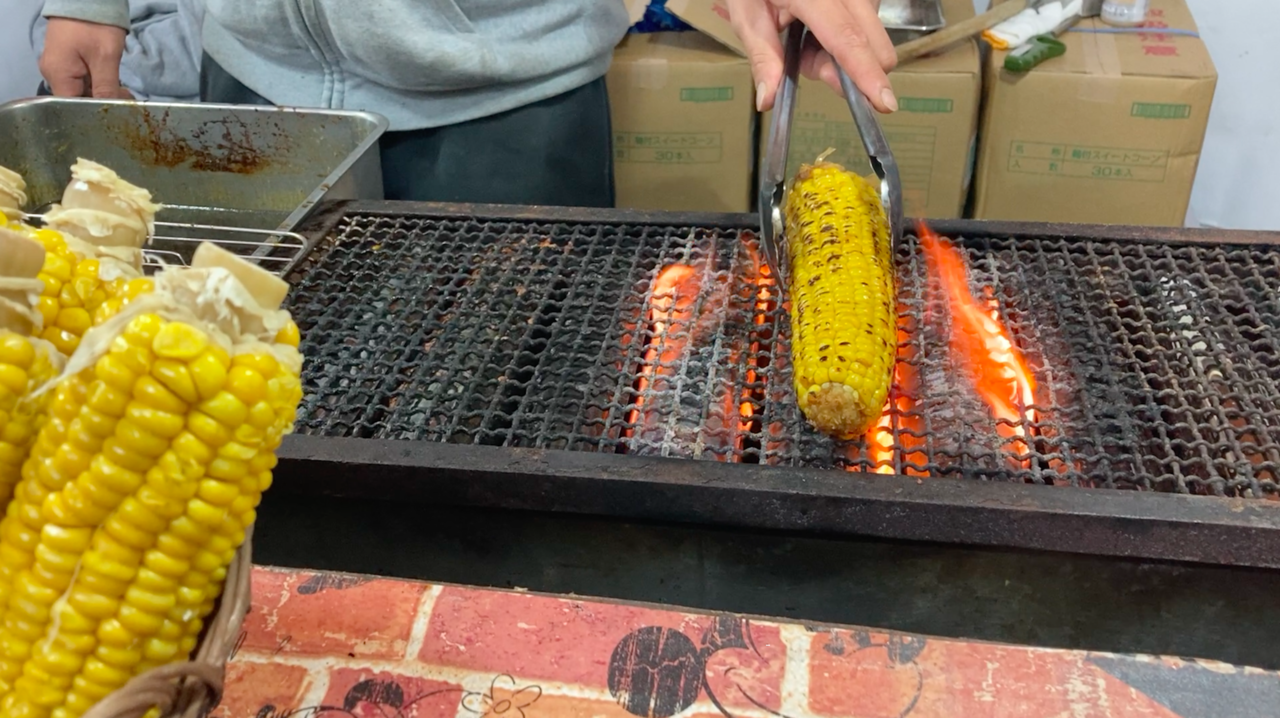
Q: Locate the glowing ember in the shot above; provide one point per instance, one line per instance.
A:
(981, 344)
(764, 303)
(673, 294)
(880, 440)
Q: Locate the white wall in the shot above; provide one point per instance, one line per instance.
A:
(1238, 182)
(18, 74)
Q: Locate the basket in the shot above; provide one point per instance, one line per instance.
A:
(192, 688)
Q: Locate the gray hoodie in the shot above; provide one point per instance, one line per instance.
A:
(162, 53)
(421, 63)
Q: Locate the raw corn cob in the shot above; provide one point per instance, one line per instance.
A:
(842, 284)
(93, 260)
(160, 440)
(26, 363)
(13, 194)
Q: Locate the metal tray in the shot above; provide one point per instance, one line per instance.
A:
(228, 165)
(909, 19)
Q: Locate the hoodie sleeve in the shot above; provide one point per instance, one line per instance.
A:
(107, 12)
(162, 55)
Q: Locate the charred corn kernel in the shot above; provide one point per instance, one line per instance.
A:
(843, 309)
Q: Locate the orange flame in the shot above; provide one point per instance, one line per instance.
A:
(982, 344)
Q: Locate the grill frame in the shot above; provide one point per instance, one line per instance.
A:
(1108, 522)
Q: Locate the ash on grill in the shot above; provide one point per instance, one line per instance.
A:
(1153, 365)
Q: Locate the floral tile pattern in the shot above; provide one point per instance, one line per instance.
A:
(364, 647)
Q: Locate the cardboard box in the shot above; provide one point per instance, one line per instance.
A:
(683, 111)
(710, 17)
(1110, 132)
(933, 134)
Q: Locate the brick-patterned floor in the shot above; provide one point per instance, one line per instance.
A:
(370, 647)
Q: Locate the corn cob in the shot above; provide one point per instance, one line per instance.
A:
(13, 194)
(25, 363)
(843, 333)
(93, 243)
(101, 208)
(160, 440)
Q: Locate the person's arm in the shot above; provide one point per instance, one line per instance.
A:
(83, 45)
(850, 31)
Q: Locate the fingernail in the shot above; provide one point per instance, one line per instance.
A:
(759, 97)
(889, 100)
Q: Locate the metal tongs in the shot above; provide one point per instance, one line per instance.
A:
(773, 178)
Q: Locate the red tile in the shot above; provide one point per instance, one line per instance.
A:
(328, 614)
(373, 694)
(555, 639)
(1006, 682)
(252, 686)
(552, 706)
(868, 679)
(874, 678)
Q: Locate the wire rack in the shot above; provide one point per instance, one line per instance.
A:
(174, 244)
(1155, 363)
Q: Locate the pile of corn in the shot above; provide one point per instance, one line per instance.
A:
(135, 442)
(844, 337)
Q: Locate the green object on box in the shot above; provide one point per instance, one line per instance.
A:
(1035, 51)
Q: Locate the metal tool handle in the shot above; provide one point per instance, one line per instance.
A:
(773, 176)
(877, 147)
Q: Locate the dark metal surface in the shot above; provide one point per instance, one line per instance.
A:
(1154, 351)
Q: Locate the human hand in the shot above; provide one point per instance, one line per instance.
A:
(849, 31)
(83, 59)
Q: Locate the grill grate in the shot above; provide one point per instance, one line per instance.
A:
(1155, 363)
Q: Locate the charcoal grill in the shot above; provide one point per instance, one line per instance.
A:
(543, 358)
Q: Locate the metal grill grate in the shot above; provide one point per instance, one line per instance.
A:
(1155, 363)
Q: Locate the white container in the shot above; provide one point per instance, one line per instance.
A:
(1124, 13)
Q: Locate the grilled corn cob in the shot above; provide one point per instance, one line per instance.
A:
(843, 333)
(26, 363)
(160, 440)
